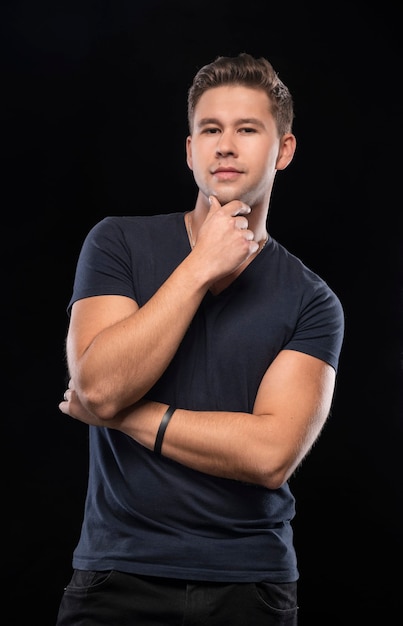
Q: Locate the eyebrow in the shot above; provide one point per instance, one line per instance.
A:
(243, 120)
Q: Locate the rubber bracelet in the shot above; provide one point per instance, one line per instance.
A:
(162, 428)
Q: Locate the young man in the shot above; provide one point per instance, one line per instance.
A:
(203, 355)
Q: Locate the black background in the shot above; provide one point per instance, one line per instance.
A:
(94, 124)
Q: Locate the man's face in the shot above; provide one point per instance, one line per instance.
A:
(234, 147)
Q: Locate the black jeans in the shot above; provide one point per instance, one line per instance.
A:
(116, 599)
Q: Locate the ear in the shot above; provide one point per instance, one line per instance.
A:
(189, 159)
(288, 144)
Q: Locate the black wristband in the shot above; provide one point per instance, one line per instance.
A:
(161, 430)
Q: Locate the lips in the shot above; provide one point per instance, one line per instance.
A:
(226, 173)
(226, 169)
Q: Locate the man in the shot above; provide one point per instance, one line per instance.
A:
(203, 355)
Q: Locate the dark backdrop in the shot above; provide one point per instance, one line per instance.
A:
(94, 123)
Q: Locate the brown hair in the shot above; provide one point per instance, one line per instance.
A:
(245, 70)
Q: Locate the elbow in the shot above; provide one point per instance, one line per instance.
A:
(274, 480)
(98, 402)
(274, 473)
(100, 396)
(105, 412)
(105, 401)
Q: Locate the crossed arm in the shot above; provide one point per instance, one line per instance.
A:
(116, 351)
(263, 447)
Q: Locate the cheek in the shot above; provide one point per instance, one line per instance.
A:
(269, 159)
(194, 161)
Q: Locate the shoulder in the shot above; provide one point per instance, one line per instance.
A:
(134, 230)
(136, 223)
(317, 307)
(298, 276)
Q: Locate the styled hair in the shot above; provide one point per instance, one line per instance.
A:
(247, 71)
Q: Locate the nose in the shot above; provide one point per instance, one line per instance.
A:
(226, 144)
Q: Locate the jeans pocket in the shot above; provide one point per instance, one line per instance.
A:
(86, 580)
(279, 597)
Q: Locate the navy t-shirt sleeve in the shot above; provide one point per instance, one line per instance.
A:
(320, 328)
(104, 263)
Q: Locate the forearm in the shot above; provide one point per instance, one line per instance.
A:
(218, 443)
(235, 445)
(264, 447)
(126, 358)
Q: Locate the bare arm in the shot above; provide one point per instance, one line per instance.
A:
(116, 351)
(264, 447)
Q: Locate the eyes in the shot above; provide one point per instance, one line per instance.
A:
(214, 130)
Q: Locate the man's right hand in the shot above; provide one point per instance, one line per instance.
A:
(224, 240)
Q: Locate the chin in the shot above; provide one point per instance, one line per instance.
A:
(227, 196)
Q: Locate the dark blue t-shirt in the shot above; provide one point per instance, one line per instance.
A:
(149, 515)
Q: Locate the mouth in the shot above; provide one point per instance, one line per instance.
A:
(226, 173)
